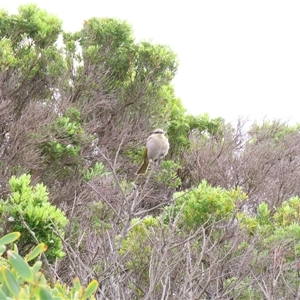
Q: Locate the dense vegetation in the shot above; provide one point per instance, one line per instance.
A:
(219, 219)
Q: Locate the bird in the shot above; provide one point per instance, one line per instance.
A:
(157, 146)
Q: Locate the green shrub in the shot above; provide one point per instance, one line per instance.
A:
(28, 211)
(19, 280)
(204, 205)
(139, 237)
(96, 170)
(168, 174)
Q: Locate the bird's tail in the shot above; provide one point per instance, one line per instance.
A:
(143, 168)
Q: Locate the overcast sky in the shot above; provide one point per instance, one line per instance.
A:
(237, 58)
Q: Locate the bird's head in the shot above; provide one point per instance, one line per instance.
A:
(158, 131)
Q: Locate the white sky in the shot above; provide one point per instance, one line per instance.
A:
(237, 58)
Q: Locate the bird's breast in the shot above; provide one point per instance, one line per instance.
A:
(157, 147)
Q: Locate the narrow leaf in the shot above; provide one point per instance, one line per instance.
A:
(76, 295)
(43, 293)
(20, 265)
(40, 248)
(9, 238)
(37, 266)
(10, 281)
(16, 248)
(76, 284)
(91, 289)
(2, 249)
(24, 293)
(2, 295)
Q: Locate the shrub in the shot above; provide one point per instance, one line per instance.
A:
(28, 211)
(19, 280)
(204, 205)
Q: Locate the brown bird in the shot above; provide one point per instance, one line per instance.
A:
(157, 146)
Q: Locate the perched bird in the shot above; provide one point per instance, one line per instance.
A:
(157, 146)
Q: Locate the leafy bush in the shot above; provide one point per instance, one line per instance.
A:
(277, 235)
(28, 211)
(139, 237)
(96, 170)
(168, 174)
(66, 137)
(204, 205)
(19, 280)
(288, 213)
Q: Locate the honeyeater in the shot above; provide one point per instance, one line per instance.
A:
(157, 146)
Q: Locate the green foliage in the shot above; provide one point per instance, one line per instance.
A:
(7, 58)
(108, 42)
(287, 227)
(31, 23)
(170, 106)
(136, 250)
(182, 126)
(243, 290)
(288, 213)
(66, 137)
(139, 237)
(30, 57)
(274, 130)
(28, 211)
(157, 61)
(263, 214)
(140, 72)
(168, 174)
(178, 134)
(19, 280)
(249, 223)
(101, 216)
(28, 33)
(204, 205)
(264, 223)
(97, 170)
(277, 232)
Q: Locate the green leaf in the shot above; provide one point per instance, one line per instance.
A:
(39, 277)
(24, 293)
(20, 265)
(10, 281)
(59, 288)
(76, 295)
(9, 238)
(43, 293)
(37, 266)
(16, 248)
(76, 284)
(2, 295)
(2, 249)
(91, 289)
(36, 251)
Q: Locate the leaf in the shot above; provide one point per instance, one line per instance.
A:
(37, 266)
(20, 265)
(2, 295)
(9, 238)
(39, 277)
(36, 251)
(24, 293)
(2, 250)
(16, 248)
(76, 284)
(76, 295)
(43, 293)
(59, 288)
(10, 281)
(91, 289)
